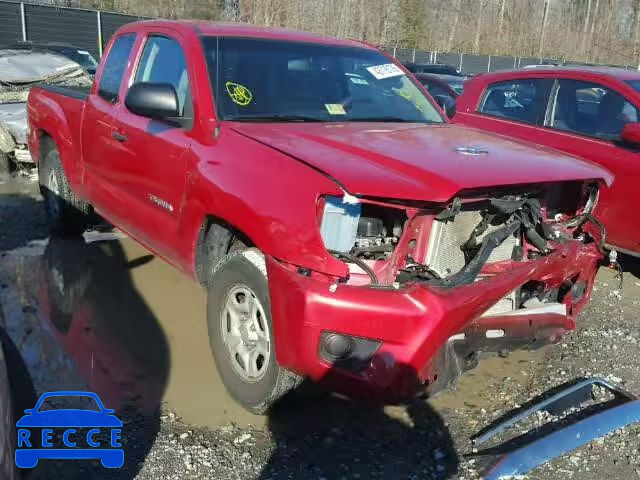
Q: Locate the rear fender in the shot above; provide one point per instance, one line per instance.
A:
(48, 119)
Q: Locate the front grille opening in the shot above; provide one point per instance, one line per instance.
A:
(444, 253)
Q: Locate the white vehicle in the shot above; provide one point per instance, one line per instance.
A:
(19, 71)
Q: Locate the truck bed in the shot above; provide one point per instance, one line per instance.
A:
(80, 92)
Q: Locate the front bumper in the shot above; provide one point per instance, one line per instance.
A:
(414, 323)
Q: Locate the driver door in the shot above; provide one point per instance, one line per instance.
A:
(157, 152)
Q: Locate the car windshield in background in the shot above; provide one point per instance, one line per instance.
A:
(283, 81)
(81, 57)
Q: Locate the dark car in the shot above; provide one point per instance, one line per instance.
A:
(78, 55)
(443, 88)
(438, 68)
(437, 84)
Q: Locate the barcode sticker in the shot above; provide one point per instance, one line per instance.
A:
(385, 71)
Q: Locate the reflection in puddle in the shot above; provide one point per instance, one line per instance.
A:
(79, 324)
(108, 317)
(107, 330)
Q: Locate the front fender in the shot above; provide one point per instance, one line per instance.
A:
(269, 197)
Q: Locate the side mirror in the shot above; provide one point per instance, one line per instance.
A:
(153, 100)
(447, 104)
(631, 134)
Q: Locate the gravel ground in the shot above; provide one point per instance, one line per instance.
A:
(316, 435)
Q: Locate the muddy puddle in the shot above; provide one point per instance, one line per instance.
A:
(104, 315)
(108, 317)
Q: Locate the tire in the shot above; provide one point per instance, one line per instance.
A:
(5, 166)
(66, 213)
(218, 242)
(241, 278)
(68, 276)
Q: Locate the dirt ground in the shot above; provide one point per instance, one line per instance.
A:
(103, 314)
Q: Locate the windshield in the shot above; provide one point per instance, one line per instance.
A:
(272, 80)
(81, 57)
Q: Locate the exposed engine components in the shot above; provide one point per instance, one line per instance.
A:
(372, 240)
(379, 229)
(449, 246)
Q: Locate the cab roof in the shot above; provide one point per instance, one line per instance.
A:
(550, 70)
(202, 27)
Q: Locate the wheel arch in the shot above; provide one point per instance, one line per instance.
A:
(208, 221)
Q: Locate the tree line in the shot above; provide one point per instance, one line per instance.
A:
(602, 31)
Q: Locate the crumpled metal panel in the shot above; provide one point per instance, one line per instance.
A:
(24, 66)
(516, 457)
(13, 118)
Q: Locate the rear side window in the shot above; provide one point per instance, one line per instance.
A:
(589, 109)
(114, 67)
(163, 61)
(519, 100)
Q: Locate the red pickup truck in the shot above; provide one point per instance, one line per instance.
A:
(344, 230)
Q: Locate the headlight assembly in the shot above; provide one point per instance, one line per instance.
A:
(339, 222)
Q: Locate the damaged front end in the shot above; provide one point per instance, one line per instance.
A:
(430, 286)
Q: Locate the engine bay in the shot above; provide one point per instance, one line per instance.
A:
(467, 239)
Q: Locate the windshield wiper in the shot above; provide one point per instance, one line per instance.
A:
(382, 119)
(275, 118)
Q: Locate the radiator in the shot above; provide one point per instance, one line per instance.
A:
(445, 257)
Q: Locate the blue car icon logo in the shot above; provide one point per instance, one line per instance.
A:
(83, 436)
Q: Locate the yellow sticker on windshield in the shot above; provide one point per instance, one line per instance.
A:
(335, 108)
(239, 93)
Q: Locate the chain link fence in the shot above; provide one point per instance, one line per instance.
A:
(86, 29)
(91, 30)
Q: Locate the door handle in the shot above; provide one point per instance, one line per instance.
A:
(119, 136)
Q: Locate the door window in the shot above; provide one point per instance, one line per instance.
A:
(114, 67)
(519, 100)
(163, 61)
(589, 109)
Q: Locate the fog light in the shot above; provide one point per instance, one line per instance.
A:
(337, 346)
(347, 352)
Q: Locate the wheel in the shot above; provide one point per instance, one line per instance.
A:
(241, 332)
(5, 166)
(66, 213)
(68, 275)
